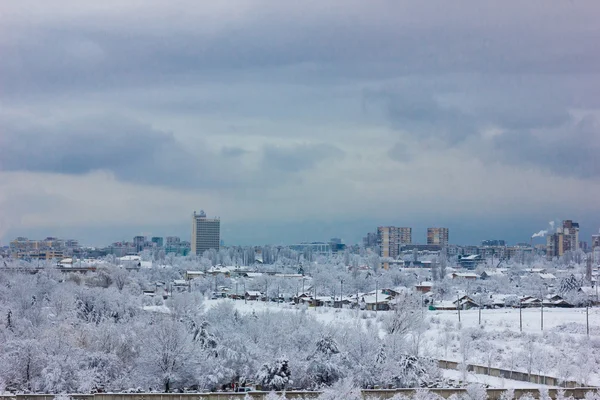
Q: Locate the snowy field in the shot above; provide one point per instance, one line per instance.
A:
(562, 349)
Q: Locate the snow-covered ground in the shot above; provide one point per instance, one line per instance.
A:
(491, 381)
(562, 349)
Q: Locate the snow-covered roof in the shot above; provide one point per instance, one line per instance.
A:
(493, 272)
(194, 272)
(465, 274)
(179, 282)
(425, 284)
(253, 293)
(372, 299)
(146, 264)
(130, 258)
(254, 274)
(547, 276)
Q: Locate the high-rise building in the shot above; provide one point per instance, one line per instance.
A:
(370, 240)
(390, 238)
(566, 238)
(139, 242)
(206, 233)
(596, 248)
(158, 241)
(437, 236)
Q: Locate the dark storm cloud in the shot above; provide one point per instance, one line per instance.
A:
(298, 157)
(416, 111)
(389, 39)
(133, 151)
(570, 151)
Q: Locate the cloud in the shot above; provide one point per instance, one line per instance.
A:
(571, 150)
(233, 151)
(133, 151)
(298, 157)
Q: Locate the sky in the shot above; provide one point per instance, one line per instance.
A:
(296, 121)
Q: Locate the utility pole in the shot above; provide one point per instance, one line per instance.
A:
(341, 291)
(587, 319)
(315, 297)
(480, 313)
(376, 299)
(458, 306)
(520, 316)
(542, 316)
(245, 297)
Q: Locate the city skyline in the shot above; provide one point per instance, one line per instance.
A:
(281, 115)
(468, 235)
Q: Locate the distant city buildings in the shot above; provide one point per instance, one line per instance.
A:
(46, 249)
(370, 240)
(206, 233)
(390, 238)
(437, 236)
(312, 247)
(566, 238)
(596, 248)
(157, 241)
(493, 242)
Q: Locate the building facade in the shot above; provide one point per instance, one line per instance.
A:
(438, 236)
(206, 233)
(566, 238)
(390, 238)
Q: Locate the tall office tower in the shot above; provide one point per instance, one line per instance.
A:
(206, 233)
(438, 236)
(389, 239)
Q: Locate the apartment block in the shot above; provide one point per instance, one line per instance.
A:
(566, 238)
(390, 238)
(437, 236)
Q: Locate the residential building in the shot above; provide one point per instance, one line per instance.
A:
(370, 240)
(390, 238)
(566, 238)
(47, 249)
(139, 242)
(312, 247)
(157, 241)
(438, 236)
(336, 245)
(206, 233)
(493, 242)
(596, 248)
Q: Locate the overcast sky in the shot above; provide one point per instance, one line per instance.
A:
(298, 121)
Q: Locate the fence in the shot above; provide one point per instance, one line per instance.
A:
(508, 374)
(493, 394)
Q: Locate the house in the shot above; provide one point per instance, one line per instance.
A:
(375, 303)
(471, 261)
(444, 306)
(591, 292)
(424, 287)
(530, 301)
(180, 285)
(464, 275)
(189, 275)
(252, 295)
(491, 273)
(465, 303)
(547, 276)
